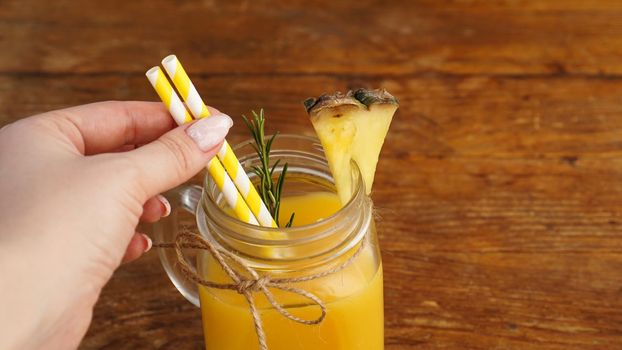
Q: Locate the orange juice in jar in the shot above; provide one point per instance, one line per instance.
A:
(335, 243)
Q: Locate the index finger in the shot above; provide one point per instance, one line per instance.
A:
(106, 126)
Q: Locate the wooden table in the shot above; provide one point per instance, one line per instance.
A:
(499, 185)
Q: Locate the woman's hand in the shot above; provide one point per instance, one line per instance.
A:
(74, 185)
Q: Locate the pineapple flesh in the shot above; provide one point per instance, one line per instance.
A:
(352, 127)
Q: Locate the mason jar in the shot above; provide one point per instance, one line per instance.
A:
(331, 253)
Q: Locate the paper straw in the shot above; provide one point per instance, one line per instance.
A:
(197, 107)
(215, 169)
(184, 86)
(168, 96)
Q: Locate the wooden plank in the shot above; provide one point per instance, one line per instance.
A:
(507, 301)
(299, 37)
(440, 117)
(432, 301)
(503, 232)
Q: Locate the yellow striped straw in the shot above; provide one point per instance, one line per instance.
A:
(215, 169)
(197, 107)
(168, 96)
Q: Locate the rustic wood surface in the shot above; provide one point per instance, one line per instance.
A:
(502, 230)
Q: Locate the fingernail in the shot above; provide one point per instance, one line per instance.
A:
(149, 242)
(209, 132)
(166, 204)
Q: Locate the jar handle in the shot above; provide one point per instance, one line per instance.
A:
(185, 197)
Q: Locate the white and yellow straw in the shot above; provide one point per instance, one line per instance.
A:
(221, 178)
(168, 96)
(197, 107)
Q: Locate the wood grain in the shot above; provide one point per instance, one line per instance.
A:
(503, 229)
(314, 37)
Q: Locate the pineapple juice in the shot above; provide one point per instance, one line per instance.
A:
(353, 297)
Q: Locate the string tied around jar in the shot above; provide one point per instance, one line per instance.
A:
(186, 239)
(252, 285)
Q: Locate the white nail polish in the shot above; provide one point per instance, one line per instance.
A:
(166, 204)
(210, 131)
(149, 242)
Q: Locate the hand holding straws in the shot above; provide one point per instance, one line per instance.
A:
(239, 193)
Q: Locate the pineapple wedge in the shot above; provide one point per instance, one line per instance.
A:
(352, 127)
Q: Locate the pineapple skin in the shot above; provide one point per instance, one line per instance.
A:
(352, 127)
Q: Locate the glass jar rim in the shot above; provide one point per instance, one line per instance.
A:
(216, 212)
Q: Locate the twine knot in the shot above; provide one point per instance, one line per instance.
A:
(252, 285)
(246, 286)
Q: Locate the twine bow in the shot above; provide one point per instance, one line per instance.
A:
(186, 239)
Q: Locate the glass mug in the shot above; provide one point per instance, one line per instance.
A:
(353, 296)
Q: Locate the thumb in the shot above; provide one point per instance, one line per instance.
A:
(179, 154)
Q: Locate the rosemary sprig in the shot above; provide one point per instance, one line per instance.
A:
(269, 190)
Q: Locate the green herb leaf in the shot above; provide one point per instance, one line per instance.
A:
(291, 220)
(269, 191)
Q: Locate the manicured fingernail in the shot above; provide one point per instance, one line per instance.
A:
(210, 131)
(149, 242)
(166, 204)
